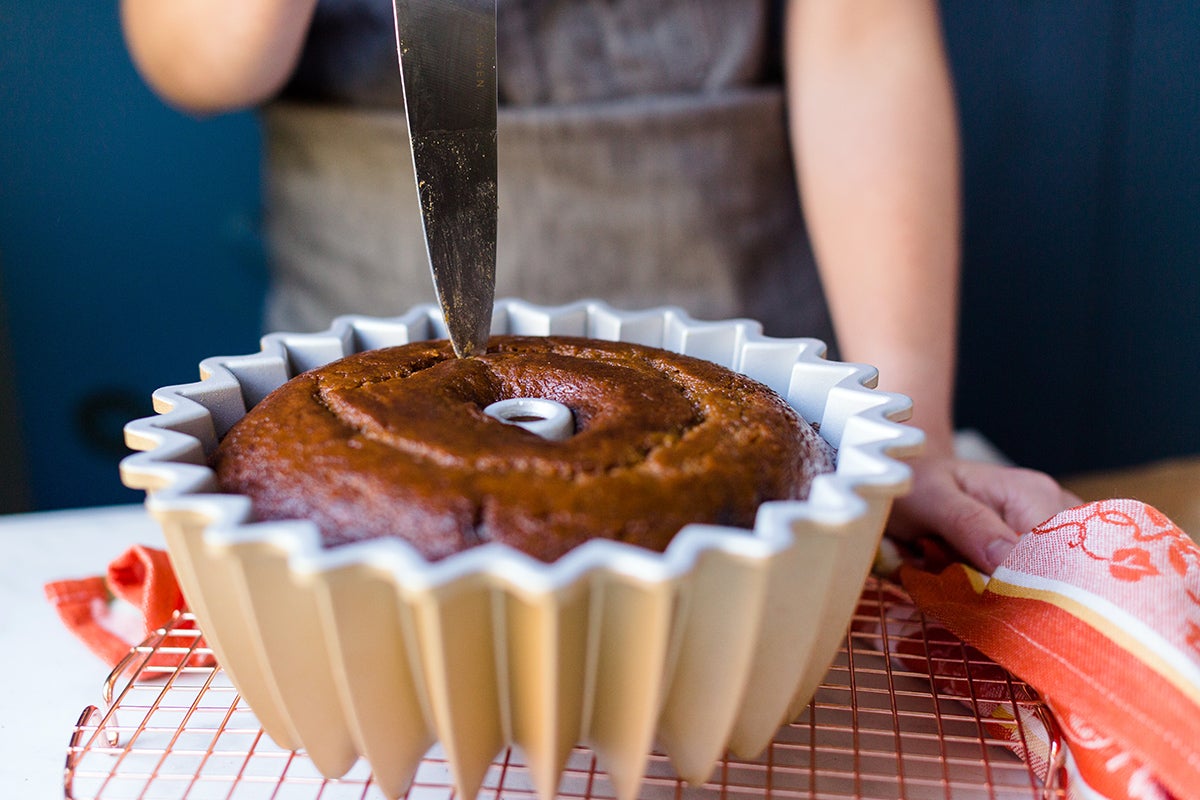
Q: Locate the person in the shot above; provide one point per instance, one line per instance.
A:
(651, 151)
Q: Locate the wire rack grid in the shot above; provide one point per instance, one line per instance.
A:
(895, 717)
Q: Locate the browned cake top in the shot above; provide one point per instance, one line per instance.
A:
(395, 442)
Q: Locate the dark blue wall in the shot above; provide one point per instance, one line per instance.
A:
(1081, 308)
(127, 241)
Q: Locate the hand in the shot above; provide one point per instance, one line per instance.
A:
(979, 508)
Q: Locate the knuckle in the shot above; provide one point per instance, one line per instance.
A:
(967, 516)
(1039, 483)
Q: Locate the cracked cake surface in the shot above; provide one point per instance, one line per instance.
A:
(395, 442)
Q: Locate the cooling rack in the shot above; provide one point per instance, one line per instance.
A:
(906, 711)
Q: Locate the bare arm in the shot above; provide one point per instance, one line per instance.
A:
(876, 140)
(875, 136)
(209, 56)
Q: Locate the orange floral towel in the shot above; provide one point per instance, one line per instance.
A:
(1099, 610)
(141, 576)
(1009, 711)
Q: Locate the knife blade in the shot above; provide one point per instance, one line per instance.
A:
(447, 51)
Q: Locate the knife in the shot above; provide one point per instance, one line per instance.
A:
(447, 54)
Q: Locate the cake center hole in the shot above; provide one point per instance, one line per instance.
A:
(547, 418)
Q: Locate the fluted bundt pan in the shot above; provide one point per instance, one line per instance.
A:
(367, 650)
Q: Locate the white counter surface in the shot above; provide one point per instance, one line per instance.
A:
(47, 676)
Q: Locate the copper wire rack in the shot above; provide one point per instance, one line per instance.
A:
(880, 726)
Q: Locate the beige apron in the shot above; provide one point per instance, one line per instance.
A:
(683, 194)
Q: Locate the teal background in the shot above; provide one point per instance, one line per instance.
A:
(129, 249)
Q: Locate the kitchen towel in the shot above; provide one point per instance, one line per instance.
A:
(1010, 713)
(1099, 610)
(143, 578)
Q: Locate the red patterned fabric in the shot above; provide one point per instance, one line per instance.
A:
(1099, 610)
(1008, 710)
(142, 577)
